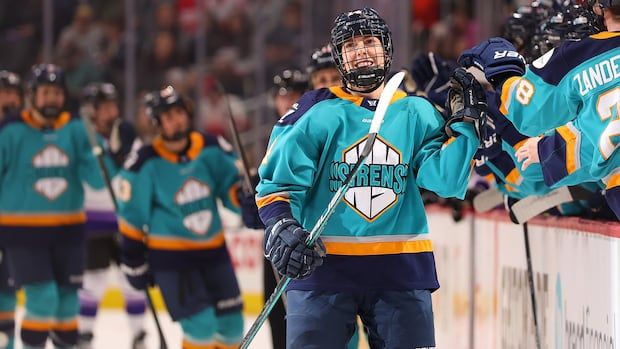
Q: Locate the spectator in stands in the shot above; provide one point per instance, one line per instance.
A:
(215, 106)
(161, 56)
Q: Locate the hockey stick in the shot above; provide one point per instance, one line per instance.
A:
(98, 152)
(530, 277)
(245, 167)
(375, 125)
(488, 200)
(530, 207)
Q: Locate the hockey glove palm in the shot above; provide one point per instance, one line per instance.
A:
(466, 102)
(497, 58)
(285, 246)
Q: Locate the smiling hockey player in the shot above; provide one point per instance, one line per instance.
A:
(379, 261)
(167, 198)
(46, 156)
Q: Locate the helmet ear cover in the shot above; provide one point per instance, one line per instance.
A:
(364, 22)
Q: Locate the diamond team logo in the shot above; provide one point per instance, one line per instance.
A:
(51, 186)
(379, 181)
(192, 193)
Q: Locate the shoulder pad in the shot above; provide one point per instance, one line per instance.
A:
(307, 101)
(211, 140)
(10, 119)
(136, 160)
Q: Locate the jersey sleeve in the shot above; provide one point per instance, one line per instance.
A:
(134, 191)
(439, 164)
(88, 166)
(226, 174)
(544, 97)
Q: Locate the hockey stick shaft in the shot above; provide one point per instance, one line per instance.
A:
(375, 125)
(98, 152)
(530, 277)
(245, 167)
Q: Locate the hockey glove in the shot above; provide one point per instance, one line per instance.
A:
(285, 246)
(249, 210)
(497, 58)
(137, 272)
(466, 102)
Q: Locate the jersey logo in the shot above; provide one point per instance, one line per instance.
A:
(51, 186)
(379, 181)
(189, 197)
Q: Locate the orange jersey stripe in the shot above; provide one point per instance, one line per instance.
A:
(377, 248)
(189, 345)
(221, 345)
(69, 325)
(269, 199)
(36, 325)
(42, 220)
(177, 244)
(570, 138)
(506, 96)
(130, 231)
(232, 193)
(613, 181)
(7, 315)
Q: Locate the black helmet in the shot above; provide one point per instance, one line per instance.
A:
(321, 59)
(159, 101)
(290, 80)
(362, 22)
(98, 92)
(10, 80)
(49, 74)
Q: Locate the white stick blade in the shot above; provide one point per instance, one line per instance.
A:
(384, 101)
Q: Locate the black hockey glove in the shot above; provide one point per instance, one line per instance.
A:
(466, 102)
(137, 272)
(285, 246)
(249, 210)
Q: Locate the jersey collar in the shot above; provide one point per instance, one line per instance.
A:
(196, 144)
(370, 104)
(61, 121)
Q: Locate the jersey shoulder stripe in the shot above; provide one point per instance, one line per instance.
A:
(570, 54)
(11, 119)
(307, 101)
(210, 140)
(137, 160)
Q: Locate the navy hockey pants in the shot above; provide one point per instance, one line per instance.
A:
(326, 320)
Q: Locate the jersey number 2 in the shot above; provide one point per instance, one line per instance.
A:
(608, 107)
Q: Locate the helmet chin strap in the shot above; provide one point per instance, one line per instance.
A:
(177, 136)
(49, 112)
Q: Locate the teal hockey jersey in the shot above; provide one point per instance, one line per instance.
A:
(378, 237)
(41, 174)
(579, 80)
(168, 201)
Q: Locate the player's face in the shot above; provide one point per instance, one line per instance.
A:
(361, 52)
(9, 99)
(175, 123)
(105, 115)
(49, 96)
(284, 102)
(327, 77)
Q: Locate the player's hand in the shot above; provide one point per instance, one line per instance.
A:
(249, 210)
(285, 246)
(137, 272)
(497, 58)
(528, 153)
(466, 102)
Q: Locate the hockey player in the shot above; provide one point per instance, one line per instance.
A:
(101, 110)
(11, 94)
(11, 102)
(575, 81)
(379, 261)
(46, 157)
(322, 69)
(288, 87)
(167, 198)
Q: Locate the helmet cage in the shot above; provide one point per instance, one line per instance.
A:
(364, 22)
